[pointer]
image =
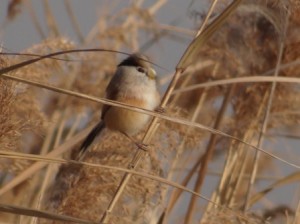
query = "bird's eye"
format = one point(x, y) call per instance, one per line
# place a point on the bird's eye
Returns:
point(142, 70)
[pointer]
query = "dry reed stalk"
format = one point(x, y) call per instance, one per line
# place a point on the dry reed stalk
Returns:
point(203, 85)
point(267, 113)
point(35, 20)
point(85, 191)
point(180, 151)
point(74, 21)
point(209, 153)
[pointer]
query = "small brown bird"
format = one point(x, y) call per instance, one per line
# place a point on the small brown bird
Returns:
point(133, 83)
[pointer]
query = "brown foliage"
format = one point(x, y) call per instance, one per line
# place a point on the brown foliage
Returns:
point(33, 120)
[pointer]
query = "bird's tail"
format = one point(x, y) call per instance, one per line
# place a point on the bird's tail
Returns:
point(89, 139)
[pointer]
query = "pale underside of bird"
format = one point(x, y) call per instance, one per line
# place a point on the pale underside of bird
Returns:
point(134, 83)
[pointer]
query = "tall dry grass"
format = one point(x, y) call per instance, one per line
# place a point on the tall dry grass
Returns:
point(223, 152)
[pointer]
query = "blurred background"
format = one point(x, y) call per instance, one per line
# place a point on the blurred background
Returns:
point(259, 39)
point(19, 31)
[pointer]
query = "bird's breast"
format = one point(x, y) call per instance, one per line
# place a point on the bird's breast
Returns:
point(124, 120)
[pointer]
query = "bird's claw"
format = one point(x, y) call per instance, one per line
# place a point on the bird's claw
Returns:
point(142, 146)
point(160, 110)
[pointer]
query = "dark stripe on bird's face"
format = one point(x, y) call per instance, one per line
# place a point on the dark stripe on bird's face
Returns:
point(136, 60)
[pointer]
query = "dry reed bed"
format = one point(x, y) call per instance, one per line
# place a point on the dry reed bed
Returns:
point(260, 38)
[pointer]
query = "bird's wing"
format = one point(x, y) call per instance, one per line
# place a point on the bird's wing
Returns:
point(111, 94)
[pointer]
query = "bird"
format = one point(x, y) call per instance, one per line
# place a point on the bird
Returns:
point(134, 83)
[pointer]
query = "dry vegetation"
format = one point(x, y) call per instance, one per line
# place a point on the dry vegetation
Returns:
point(40, 130)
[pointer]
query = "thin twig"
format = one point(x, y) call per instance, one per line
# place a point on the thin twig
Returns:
point(35, 20)
point(245, 79)
point(297, 212)
point(267, 113)
point(148, 112)
point(52, 159)
point(211, 9)
point(27, 173)
point(74, 21)
point(208, 154)
point(236, 180)
point(176, 192)
point(52, 25)
point(156, 6)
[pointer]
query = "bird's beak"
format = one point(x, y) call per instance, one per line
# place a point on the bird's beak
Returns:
point(151, 73)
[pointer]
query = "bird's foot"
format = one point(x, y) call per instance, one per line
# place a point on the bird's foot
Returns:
point(142, 146)
point(160, 110)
